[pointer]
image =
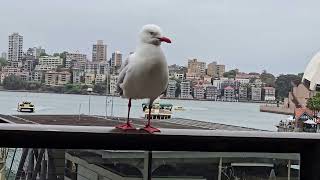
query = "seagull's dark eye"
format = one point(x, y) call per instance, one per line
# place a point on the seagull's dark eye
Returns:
point(151, 33)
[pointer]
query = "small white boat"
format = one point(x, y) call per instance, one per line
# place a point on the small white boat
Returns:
point(179, 108)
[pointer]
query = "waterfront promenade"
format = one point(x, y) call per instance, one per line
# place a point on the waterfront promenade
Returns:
point(275, 109)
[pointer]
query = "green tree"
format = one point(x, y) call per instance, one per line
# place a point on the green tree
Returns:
point(314, 104)
point(32, 85)
point(268, 79)
point(99, 88)
point(59, 68)
point(84, 89)
point(283, 84)
point(252, 80)
point(3, 62)
point(178, 88)
point(43, 54)
point(56, 89)
point(72, 89)
point(43, 78)
point(230, 74)
point(13, 82)
point(63, 56)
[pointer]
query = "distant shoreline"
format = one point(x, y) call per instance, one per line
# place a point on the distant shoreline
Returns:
point(96, 94)
point(183, 99)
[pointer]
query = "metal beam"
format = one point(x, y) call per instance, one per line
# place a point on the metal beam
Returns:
point(220, 169)
point(36, 169)
point(51, 166)
point(289, 169)
point(91, 137)
point(30, 164)
point(149, 159)
point(88, 137)
point(21, 162)
point(43, 172)
point(13, 156)
point(108, 154)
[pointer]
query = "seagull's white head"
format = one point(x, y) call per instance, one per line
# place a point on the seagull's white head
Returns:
point(151, 34)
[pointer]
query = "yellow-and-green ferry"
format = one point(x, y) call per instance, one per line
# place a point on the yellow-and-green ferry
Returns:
point(26, 106)
point(158, 111)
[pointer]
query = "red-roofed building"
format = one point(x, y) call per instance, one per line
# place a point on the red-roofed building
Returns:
point(302, 115)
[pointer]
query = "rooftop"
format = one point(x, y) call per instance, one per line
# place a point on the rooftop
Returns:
point(228, 88)
point(298, 112)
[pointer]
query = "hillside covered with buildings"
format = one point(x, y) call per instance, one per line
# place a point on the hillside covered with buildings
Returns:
point(73, 72)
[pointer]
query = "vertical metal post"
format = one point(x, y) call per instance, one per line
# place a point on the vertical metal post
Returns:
point(22, 161)
point(89, 103)
point(14, 154)
point(107, 92)
point(79, 112)
point(149, 165)
point(310, 162)
point(30, 164)
point(220, 169)
point(43, 172)
point(112, 106)
point(38, 164)
point(289, 169)
point(52, 175)
point(147, 168)
point(7, 152)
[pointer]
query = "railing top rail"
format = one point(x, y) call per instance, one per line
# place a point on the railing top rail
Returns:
point(33, 128)
point(93, 137)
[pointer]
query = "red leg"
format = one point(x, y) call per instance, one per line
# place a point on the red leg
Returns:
point(148, 126)
point(127, 125)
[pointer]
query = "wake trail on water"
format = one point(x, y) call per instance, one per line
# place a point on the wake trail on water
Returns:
point(197, 109)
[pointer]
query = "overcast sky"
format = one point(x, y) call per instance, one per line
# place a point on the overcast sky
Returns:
point(280, 36)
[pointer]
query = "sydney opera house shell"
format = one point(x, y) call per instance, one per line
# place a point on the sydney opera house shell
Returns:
point(311, 77)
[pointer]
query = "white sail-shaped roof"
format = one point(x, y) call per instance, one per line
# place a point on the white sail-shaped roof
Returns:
point(312, 72)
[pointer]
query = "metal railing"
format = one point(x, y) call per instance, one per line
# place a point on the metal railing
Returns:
point(91, 137)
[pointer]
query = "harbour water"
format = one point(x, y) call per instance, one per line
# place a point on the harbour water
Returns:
point(232, 113)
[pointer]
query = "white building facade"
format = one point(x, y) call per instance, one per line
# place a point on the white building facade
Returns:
point(15, 49)
point(185, 90)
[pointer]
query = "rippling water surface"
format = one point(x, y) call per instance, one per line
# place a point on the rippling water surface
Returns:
point(233, 113)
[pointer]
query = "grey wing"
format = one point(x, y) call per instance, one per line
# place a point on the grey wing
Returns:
point(124, 65)
point(165, 91)
point(122, 75)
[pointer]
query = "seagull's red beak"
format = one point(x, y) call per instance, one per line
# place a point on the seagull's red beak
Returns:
point(165, 39)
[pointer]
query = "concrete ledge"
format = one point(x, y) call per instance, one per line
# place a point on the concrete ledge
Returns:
point(277, 110)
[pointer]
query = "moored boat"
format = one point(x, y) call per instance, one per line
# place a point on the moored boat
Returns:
point(158, 111)
point(26, 107)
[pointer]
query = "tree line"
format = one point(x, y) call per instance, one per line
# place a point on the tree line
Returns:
point(13, 82)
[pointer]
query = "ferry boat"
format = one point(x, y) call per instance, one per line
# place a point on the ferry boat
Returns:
point(26, 107)
point(158, 111)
